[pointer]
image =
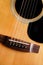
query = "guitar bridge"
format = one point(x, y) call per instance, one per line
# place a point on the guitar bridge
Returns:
point(19, 45)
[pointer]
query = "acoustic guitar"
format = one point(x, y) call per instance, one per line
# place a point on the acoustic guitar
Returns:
point(21, 32)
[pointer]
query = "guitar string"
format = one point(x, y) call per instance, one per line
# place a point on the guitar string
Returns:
point(32, 8)
point(20, 30)
point(23, 8)
point(25, 4)
point(17, 23)
point(29, 8)
point(22, 14)
point(13, 24)
point(30, 26)
point(21, 26)
point(33, 5)
point(26, 8)
point(30, 47)
point(35, 8)
point(16, 30)
point(33, 15)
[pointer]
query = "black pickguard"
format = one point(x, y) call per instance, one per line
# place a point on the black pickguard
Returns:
point(35, 30)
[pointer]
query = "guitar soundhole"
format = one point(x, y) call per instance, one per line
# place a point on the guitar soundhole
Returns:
point(28, 8)
point(35, 30)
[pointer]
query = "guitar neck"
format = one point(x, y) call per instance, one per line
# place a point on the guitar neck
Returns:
point(19, 45)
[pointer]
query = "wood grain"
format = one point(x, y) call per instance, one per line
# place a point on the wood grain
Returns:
point(10, 26)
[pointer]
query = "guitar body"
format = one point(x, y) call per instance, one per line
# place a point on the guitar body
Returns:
point(11, 26)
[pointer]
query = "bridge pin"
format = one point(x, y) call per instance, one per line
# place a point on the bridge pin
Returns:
point(19, 45)
point(23, 46)
point(16, 44)
point(10, 43)
point(13, 43)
